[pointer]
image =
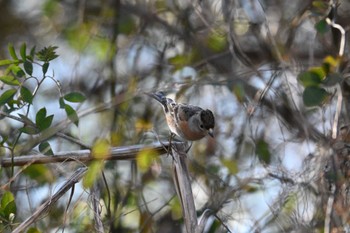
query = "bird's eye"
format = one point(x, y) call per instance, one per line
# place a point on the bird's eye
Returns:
point(201, 126)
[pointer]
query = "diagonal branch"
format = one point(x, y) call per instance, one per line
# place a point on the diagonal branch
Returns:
point(75, 178)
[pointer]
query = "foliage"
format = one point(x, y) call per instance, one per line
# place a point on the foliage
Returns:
point(317, 78)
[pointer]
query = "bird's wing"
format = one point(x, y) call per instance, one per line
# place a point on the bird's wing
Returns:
point(183, 111)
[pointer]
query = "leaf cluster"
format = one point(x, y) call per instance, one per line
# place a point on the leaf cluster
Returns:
point(317, 79)
point(17, 99)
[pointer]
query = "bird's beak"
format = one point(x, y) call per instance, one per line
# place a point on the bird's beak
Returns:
point(211, 133)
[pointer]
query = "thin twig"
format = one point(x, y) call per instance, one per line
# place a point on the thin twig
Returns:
point(327, 221)
point(74, 140)
point(342, 32)
point(5, 186)
point(68, 204)
point(337, 112)
point(108, 194)
point(95, 199)
point(223, 223)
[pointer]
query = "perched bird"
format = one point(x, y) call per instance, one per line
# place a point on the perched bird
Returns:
point(186, 121)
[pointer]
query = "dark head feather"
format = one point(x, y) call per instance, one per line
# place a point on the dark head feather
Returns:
point(207, 118)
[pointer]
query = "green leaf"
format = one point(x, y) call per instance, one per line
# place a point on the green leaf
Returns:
point(290, 204)
point(10, 80)
point(101, 48)
point(79, 37)
point(127, 24)
point(45, 67)
point(40, 173)
point(8, 205)
point(7, 62)
point(45, 148)
point(9, 210)
point(46, 123)
point(33, 230)
point(42, 121)
point(314, 96)
point(31, 130)
point(217, 42)
point(322, 26)
point(26, 95)
point(32, 54)
point(179, 61)
point(28, 67)
point(40, 115)
point(101, 149)
point(23, 51)
point(231, 165)
point(7, 197)
point(72, 114)
point(176, 210)
point(49, 8)
point(239, 92)
point(7, 96)
point(262, 150)
point(330, 64)
point(61, 102)
point(47, 54)
point(145, 158)
point(12, 51)
point(318, 71)
point(16, 70)
point(250, 188)
point(319, 7)
point(93, 173)
point(309, 79)
point(74, 97)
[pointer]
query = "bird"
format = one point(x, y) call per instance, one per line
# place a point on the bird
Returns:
point(189, 122)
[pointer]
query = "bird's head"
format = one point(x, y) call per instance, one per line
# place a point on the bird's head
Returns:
point(207, 121)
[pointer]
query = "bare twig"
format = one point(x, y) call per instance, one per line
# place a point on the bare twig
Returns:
point(223, 223)
point(75, 178)
point(74, 140)
point(5, 186)
point(342, 32)
point(95, 199)
point(337, 112)
point(327, 221)
point(203, 220)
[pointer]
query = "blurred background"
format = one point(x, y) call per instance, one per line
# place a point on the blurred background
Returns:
point(255, 64)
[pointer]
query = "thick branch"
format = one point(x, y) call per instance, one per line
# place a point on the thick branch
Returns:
point(118, 153)
point(183, 187)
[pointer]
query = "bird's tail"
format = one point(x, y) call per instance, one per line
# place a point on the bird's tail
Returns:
point(160, 97)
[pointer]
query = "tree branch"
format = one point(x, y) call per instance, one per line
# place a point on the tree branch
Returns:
point(183, 187)
point(117, 153)
point(75, 178)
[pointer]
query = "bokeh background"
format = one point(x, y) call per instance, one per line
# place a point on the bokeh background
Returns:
point(247, 61)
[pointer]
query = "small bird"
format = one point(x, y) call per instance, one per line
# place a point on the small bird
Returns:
point(186, 121)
